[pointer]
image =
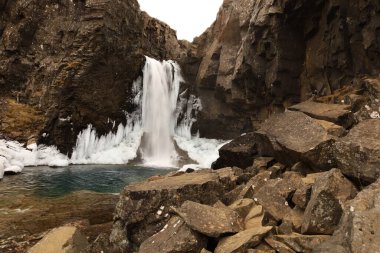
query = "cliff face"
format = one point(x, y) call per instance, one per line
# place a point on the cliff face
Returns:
point(259, 57)
point(72, 63)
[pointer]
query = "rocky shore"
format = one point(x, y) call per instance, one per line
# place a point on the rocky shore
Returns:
point(306, 181)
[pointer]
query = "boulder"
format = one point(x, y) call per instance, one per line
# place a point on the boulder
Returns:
point(278, 246)
point(66, 239)
point(325, 207)
point(357, 154)
point(276, 194)
point(254, 184)
point(243, 240)
point(143, 208)
point(242, 206)
point(359, 229)
point(338, 114)
point(208, 220)
point(301, 243)
point(293, 137)
point(240, 152)
point(176, 236)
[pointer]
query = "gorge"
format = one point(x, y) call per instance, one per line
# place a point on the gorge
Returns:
point(277, 103)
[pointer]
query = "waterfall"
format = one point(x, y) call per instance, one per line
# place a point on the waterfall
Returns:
point(161, 83)
point(152, 129)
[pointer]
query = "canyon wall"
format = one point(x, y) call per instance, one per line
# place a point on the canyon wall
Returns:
point(261, 56)
point(65, 64)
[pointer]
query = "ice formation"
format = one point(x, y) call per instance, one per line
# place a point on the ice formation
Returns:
point(150, 131)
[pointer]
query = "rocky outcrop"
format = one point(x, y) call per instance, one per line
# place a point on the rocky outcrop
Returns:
point(144, 208)
point(260, 57)
point(72, 63)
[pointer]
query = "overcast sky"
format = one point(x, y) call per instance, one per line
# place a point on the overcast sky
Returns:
point(189, 17)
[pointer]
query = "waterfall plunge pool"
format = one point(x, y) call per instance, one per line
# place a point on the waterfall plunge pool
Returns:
point(44, 181)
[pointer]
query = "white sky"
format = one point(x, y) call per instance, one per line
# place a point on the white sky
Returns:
point(190, 18)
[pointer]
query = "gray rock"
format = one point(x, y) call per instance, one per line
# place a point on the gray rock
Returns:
point(208, 220)
point(176, 236)
point(325, 207)
point(357, 154)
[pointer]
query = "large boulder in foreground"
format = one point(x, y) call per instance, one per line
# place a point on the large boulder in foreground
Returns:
point(239, 152)
point(358, 154)
point(208, 220)
point(335, 113)
point(359, 229)
point(323, 213)
point(292, 137)
point(144, 208)
point(67, 239)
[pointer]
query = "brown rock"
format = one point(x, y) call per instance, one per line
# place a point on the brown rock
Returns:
point(255, 184)
point(325, 209)
point(275, 195)
point(301, 243)
point(143, 208)
point(359, 228)
point(292, 137)
point(336, 113)
point(278, 246)
point(242, 206)
point(357, 154)
point(176, 236)
point(240, 152)
point(61, 240)
point(208, 220)
point(243, 240)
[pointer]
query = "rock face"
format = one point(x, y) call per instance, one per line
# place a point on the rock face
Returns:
point(259, 57)
point(72, 63)
point(61, 240)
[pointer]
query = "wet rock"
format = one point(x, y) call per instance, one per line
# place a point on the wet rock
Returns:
point(143, 208)
point(359, 228)
point(61, 240)
point(292, 137)
point(208, 220)
point(301, 243)
point(357, 154)
point(240, 152)
point(336, 113)
point(176, 236)
point(243, 240)
point(325, 207)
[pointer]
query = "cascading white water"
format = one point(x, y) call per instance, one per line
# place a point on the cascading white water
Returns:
point(161, 84)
